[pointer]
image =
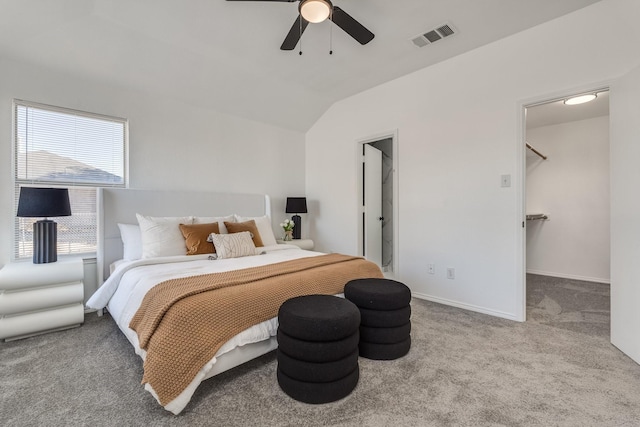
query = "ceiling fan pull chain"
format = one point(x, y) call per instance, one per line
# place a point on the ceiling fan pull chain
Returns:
point(300, 28)
point(331, 34)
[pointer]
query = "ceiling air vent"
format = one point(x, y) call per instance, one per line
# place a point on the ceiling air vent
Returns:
point(420, 41)
point(434, 35)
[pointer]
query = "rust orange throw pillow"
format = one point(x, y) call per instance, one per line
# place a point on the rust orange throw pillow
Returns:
point(195, 237)
point(250, 226)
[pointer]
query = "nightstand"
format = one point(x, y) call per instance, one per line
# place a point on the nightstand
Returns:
point(301, 243)
point(37, 298)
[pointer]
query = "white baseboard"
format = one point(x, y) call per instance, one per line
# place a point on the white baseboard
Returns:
point(478, 309)
point(570, 276)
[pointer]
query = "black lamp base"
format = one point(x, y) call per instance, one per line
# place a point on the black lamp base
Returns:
point(45, 241)
point(296, 226)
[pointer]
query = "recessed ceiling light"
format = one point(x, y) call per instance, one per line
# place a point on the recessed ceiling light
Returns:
point(581, 99)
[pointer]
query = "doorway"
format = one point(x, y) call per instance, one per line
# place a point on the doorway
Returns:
point(567, 237)
point(377, 213)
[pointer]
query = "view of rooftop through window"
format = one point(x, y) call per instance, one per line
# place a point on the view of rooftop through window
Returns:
point(65, 147)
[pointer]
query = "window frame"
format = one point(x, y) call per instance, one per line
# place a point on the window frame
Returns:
point(17, 182)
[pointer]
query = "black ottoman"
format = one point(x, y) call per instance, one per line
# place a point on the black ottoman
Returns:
point(385, 326)
point(317, 354)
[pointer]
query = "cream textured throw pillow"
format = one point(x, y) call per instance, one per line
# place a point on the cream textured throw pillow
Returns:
point(233, 245)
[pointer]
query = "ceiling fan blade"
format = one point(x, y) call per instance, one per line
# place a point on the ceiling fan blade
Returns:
point(295, 32)
point(350, 26)
point(283, 1)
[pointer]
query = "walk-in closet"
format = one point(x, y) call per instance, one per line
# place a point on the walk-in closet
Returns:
point(567, 207)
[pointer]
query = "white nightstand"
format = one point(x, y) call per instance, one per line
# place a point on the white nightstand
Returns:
point(37, 298)
point(301, 243)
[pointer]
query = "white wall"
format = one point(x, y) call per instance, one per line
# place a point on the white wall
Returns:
point(625, 214)
point(171, 145)
point(458, 130)
point(572, 188)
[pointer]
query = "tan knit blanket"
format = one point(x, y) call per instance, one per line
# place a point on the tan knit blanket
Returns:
point(183, 322)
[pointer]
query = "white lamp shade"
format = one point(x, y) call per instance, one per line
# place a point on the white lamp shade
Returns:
point(315, 11)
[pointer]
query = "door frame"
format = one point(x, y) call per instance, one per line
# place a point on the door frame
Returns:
point(521, 184)
point(393, 134)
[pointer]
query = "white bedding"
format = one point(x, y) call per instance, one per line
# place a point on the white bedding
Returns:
point(123, 292)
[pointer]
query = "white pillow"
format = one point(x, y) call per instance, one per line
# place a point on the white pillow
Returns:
point(219, 219)
point(131, 241)
point(161, 236)
point(233, 245)
point(264, 228)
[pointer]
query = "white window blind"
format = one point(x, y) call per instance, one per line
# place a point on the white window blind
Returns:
point(58, 147)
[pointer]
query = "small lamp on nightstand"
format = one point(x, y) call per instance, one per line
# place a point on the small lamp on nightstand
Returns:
point(44, 203)
point(296, 205)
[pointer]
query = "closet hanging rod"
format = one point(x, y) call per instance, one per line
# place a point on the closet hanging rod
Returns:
point(536, 151)
point(534, 217)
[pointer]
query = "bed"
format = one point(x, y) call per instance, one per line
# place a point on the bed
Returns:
point(128, 279)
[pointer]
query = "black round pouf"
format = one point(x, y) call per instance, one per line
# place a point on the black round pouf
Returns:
point(384, 351)
point(385, 335)
point(317, 372)
point(377, 294)
point(385, 318)
point(318, 318)
point(317, 351)
point(310, 392)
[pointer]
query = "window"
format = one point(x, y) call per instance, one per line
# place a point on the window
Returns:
point(58, 147)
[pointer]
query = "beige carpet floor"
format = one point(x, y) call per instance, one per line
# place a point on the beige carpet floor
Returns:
point(464, 369)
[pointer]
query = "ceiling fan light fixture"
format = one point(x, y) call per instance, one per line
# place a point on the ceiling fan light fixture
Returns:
point(581, 99)
point(315, 11)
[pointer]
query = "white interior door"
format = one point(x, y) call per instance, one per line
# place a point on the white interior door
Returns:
point(373, 204)
point(625, 212)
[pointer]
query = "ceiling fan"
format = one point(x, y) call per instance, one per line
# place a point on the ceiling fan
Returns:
point(316, 11)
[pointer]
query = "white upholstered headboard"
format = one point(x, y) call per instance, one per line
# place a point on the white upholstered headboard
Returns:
point(118, 205)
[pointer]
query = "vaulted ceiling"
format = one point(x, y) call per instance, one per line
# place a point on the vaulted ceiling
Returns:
point(225, 55)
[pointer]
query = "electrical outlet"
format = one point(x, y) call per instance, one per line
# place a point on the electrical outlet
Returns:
point(451, 273)
point(431, 269)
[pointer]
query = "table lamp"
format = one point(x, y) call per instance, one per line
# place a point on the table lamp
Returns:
point(44, 203)
point(296, 205)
